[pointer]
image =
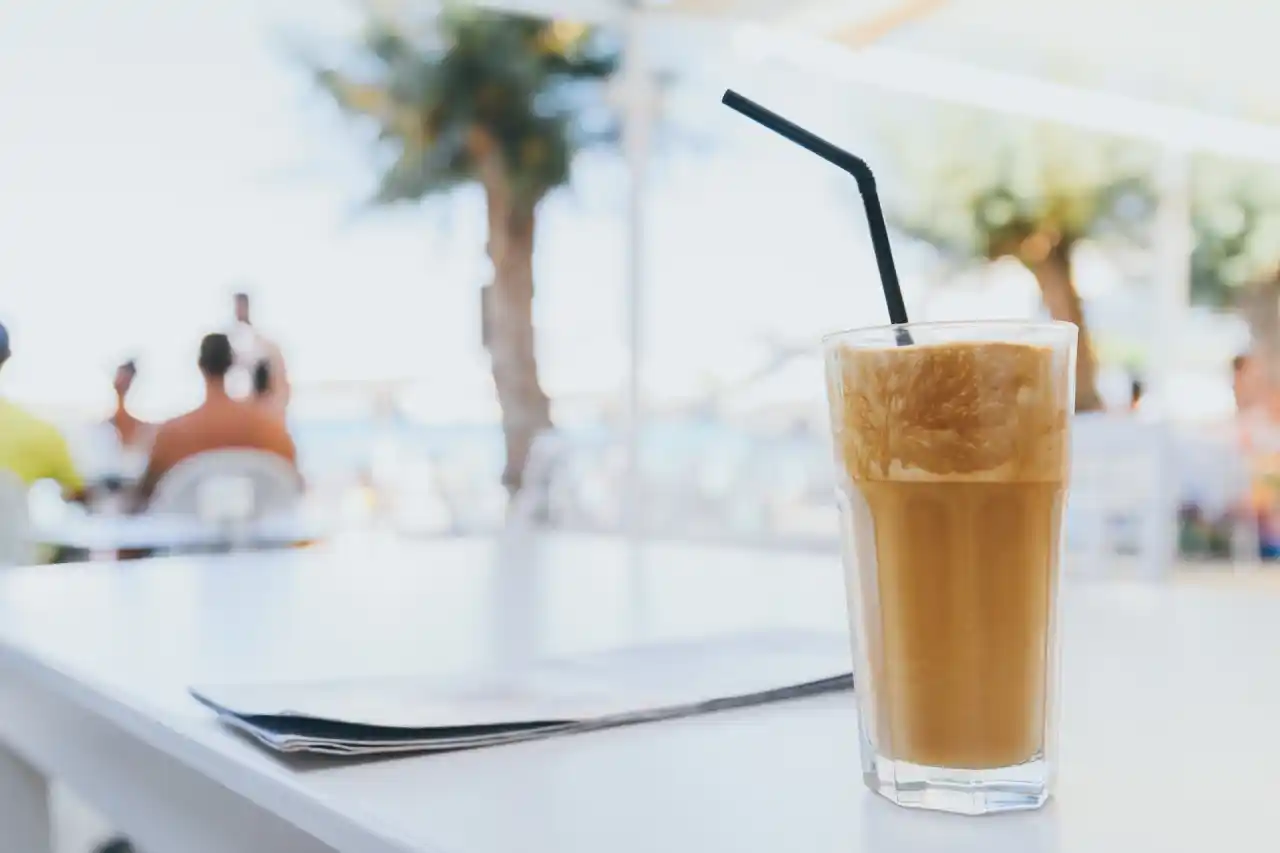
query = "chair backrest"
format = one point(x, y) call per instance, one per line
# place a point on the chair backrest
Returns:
point(229, 486)
point(1123, 501)
point(15, 525)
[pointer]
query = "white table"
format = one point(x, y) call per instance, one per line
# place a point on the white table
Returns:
point(167, 533)
point(1171, 734)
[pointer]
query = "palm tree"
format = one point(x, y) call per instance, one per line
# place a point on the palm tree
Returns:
point(1236, 261)
point(496, 100)
point(980, 189)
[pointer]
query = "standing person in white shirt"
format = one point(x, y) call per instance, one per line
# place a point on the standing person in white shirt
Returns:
point(253, 348)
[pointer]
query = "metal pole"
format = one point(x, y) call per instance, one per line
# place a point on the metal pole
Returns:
point(1174, 242)
point(1173, 271)
point(637, 121)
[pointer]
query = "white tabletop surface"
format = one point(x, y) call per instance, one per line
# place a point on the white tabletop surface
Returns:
point(1171, 717)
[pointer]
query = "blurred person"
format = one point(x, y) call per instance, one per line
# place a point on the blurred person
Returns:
point(1256, 414)
point(262, 382)
point(1248, 382)
point(220, 423)
point(1257, 440)
point(253, 348)
point(1136, 390)
point(31, 448)
point(261, 393)
point(132, 431)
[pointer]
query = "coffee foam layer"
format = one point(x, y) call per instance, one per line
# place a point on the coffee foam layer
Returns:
point(966, 411)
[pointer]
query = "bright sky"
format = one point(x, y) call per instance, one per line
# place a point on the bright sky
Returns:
point(158, 154)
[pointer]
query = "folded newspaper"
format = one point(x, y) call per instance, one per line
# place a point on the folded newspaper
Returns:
point(615, 688)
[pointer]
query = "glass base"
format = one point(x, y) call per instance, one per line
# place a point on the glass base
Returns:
point(970, 792)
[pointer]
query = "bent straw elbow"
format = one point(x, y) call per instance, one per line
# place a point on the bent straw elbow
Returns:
point(861, 172)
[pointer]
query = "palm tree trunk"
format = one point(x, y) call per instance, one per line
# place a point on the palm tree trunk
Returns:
point(1259, 305)
point(1058, 290)
point(526, 410)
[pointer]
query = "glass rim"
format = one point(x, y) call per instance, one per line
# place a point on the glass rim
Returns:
point(1005, 323)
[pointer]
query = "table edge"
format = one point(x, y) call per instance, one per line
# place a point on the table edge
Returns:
point(273, 792)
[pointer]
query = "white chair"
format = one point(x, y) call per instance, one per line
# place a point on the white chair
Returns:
point(532, 502)
point(1124, 497)
point(564, 486)
point(723, 489)
point(15, 524)
point(229, 486)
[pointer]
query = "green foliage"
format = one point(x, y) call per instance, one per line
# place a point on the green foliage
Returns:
point(470, 82)
point(977, 186)
point(1236, 217)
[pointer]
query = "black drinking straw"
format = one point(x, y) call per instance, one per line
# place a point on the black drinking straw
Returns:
point(861, 172)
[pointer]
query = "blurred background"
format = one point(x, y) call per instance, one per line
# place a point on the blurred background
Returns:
point(512, 262)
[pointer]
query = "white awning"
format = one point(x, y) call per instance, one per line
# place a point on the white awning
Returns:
point(1191, 75)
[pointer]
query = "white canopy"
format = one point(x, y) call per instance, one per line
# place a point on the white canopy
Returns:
point(1218, 57)
point(1186, 75)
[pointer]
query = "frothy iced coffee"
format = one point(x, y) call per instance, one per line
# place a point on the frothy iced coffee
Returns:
point(954, 460)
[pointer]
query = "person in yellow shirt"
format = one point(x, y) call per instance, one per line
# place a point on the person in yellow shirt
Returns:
point(31, 448)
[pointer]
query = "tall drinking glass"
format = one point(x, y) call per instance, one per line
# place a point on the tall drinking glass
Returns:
point(952, 456)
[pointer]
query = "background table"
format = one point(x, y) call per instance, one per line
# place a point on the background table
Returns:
point(150, 532)
point(1170, 738)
